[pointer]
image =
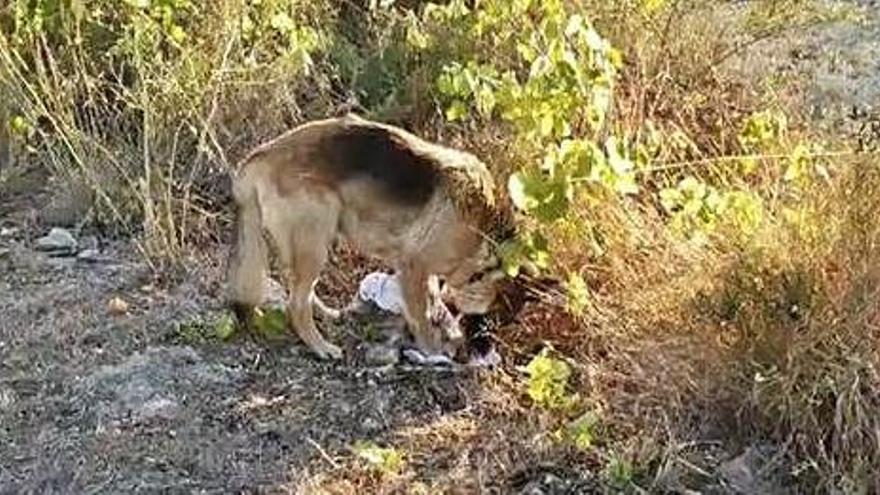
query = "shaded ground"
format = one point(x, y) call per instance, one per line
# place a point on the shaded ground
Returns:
point(97, 400)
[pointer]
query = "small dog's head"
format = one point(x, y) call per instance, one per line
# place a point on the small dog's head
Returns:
point(509, 297)
point(473, 286)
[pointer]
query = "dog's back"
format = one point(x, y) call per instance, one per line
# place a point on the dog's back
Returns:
point(402, 167)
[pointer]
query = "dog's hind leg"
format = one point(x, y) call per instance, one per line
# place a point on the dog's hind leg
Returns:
point(307, 262)
point(303, 229)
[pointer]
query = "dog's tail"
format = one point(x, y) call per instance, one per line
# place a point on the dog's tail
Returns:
point(248, 257)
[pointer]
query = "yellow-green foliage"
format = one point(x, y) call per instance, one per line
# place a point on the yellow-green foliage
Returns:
point(548, 382)
point(676, 202)
point(386, 460)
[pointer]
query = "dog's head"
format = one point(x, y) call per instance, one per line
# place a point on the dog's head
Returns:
point(473, 287)
point(512, 294)
point(491, 290)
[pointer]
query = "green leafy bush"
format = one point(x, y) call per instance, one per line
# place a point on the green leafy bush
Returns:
point(548, 382)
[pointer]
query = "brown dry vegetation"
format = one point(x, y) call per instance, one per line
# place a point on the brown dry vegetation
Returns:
point(688, 348)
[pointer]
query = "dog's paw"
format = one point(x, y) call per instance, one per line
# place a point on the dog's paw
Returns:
point(329, 352)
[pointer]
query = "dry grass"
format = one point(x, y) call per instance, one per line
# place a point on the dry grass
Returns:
point(737, 340)
point(494, 445)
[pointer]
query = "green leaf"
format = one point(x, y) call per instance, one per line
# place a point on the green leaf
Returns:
point(224, 327)
point(554, 199)
point(578, 293)
point(546, 124)
point(456, 111)
point(177, 34)
point(651, 6)
point(799, 164)
point(417, 38)
point(540, 67)
point(691, 187)
point(743, 209)
point(485, 100)
point(548, 381)
point(513, 255)
point(575, 25)
point(671, 199)
point(538, 250)
point(594, 40)
point(582, 430)
point(615, 57)
point(383, 459)
point(617, 159)
point(516, 186)
point(748, 165)
point(282, 22)
point(444, 84)
point(527, 52)
point(18, 125)
point(270, 321)
point(626, 184)
point(692, 206)
point(619, 472)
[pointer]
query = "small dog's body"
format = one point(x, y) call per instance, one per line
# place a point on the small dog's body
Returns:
point(424, 208)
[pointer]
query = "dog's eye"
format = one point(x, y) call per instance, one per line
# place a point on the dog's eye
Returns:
point(475, 277)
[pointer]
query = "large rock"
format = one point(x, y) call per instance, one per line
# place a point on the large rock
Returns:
point(58, 241)
point(149, 386)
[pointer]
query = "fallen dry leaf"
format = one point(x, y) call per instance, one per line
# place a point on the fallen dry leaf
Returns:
point(117, 306)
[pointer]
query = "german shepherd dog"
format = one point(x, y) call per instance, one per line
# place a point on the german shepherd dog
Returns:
point(426, 209)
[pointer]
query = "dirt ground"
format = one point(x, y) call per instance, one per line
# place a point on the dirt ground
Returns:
point(98, 400)
point(94, 399)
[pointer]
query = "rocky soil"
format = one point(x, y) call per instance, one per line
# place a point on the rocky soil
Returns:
point(111, 382)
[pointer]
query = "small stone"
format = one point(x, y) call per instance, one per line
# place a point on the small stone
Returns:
point(439, 360)
point(8, 231)
point(548, 483)
point(117, 306)
point(414, 356)
point(90, 242)
point(89, 255)
point(158, 408)
point(419, 358)
point(7, 398)
point(371, 425)
point(739, 473)
point(490, 359)
point(58, 240)
point(274, 293)
point(382, 355)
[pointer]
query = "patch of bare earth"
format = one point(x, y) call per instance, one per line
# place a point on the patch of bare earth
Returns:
point(107, 398)
point(105, 387)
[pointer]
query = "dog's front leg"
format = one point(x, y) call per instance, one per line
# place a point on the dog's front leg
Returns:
point(414, 285)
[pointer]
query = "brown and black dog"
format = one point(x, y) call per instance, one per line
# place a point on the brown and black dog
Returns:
point(426, 209)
